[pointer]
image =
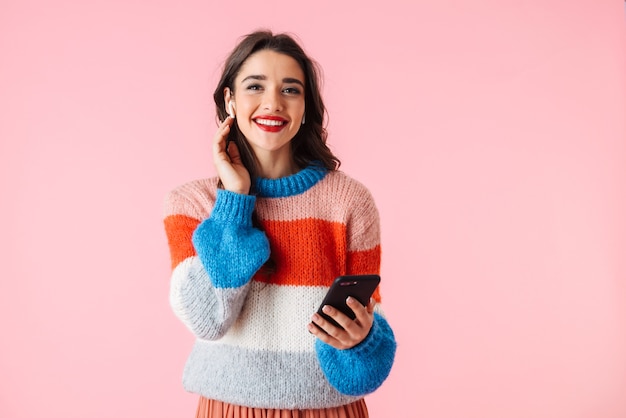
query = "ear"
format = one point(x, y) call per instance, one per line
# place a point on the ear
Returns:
point(227, 95)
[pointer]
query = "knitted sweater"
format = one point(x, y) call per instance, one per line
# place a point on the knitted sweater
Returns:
point(253, 347)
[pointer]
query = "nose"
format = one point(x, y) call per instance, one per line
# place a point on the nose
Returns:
point(272, 100)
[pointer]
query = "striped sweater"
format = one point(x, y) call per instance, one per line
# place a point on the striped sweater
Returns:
point(253, 347)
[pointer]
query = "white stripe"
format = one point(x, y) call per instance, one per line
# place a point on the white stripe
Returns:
point(275, 318)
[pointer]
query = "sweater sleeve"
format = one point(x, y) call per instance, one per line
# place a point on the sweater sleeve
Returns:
point(213, 260)
point(230, 248)
point(363, 368)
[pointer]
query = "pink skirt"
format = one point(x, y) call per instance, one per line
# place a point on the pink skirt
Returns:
point(208, 408)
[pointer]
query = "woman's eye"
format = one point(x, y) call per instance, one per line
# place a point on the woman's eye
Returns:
point(292, 90)
point(254, 87)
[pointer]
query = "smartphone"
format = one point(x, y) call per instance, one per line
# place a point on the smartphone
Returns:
point(361, 287)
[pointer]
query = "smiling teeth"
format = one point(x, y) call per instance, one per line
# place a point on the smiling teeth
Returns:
point(269, 122)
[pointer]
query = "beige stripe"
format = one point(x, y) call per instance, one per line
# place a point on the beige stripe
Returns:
point(329, 200)
point(336, 190)
point(194, 199)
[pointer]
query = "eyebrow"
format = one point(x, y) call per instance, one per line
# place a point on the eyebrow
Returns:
point(285, 80)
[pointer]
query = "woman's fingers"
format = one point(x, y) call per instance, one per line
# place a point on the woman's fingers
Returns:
point(233, 153)
point(227, 160)
point(363, 313)
point(351, 331)
point(219, 141)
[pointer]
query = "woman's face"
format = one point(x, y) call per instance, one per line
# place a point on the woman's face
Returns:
point(269, 101)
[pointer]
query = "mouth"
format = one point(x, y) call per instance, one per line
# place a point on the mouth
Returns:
point(270, 123)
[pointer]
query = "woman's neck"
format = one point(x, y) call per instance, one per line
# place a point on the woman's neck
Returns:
point(274, 165)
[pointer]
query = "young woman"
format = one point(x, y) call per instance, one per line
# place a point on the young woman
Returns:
point(255, 249)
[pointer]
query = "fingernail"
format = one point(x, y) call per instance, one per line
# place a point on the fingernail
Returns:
point(326, 308)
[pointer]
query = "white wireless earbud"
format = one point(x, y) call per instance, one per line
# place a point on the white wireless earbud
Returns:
point(231, 109)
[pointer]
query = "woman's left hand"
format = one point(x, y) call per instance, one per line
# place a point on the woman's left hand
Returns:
point(354, 330)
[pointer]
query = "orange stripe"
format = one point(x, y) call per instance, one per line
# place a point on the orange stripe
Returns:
point(312, 252)
point(365, 262)
point(179, 229)
point(307, 252)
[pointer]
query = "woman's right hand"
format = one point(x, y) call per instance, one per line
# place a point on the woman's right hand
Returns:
point(230, 169)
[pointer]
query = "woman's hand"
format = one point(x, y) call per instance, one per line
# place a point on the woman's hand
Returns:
point(230, 169)
point(354, 330)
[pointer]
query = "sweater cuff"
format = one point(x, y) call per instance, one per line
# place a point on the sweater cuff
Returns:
point(233, 208)
point(361, 369)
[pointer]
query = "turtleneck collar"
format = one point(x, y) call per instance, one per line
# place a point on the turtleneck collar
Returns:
point(291, 185)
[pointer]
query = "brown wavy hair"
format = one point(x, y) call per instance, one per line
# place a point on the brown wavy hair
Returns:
point(309, 144)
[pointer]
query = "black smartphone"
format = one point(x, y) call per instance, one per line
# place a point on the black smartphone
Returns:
point(361, 287)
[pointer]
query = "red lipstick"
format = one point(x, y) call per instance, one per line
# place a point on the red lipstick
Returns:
point(270, 123)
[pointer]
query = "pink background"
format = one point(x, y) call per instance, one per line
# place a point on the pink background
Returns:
point(491, 133)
